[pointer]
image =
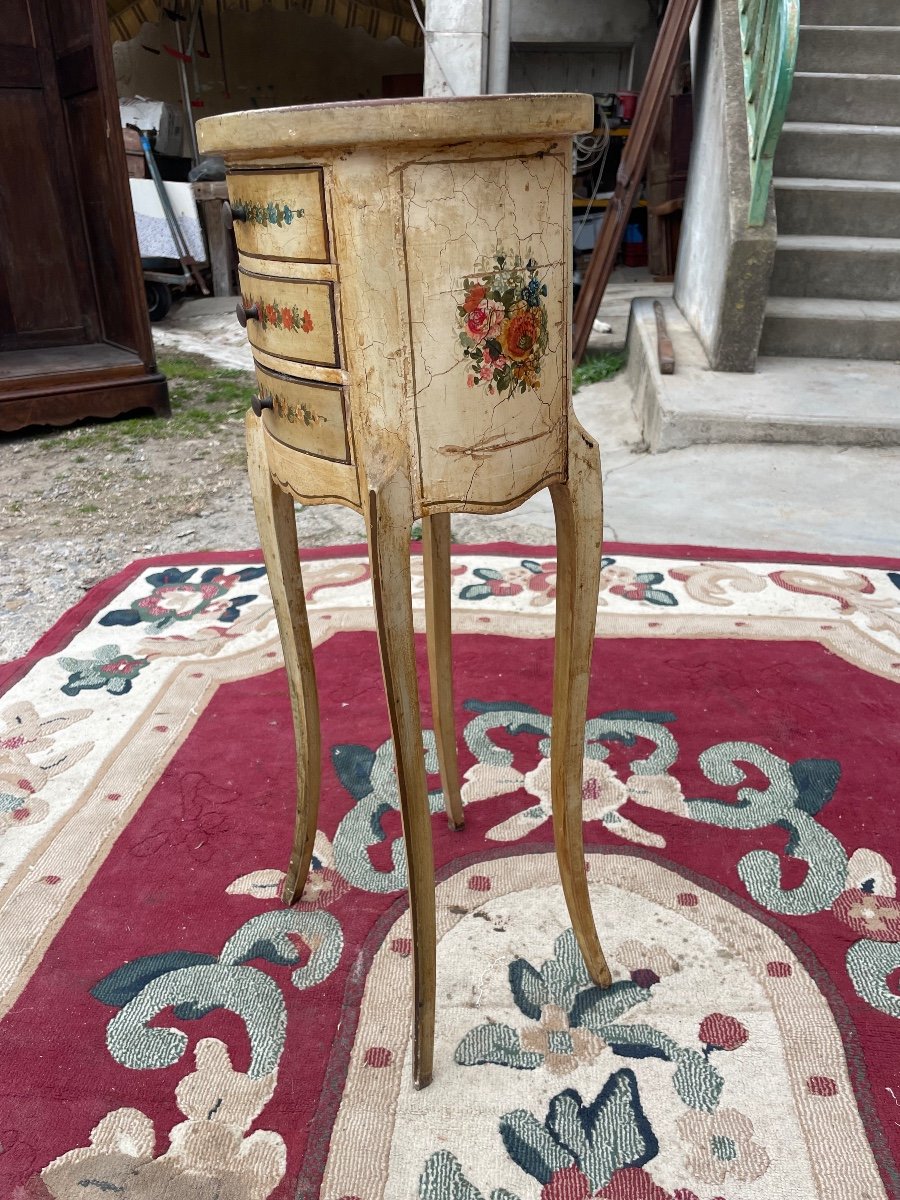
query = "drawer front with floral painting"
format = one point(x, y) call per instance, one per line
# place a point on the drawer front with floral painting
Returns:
point(291, 319)
point(280, 214)
point(306, 416)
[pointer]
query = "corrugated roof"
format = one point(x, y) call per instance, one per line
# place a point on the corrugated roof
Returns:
point(381, 19)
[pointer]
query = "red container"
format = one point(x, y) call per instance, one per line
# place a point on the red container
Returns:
point(627, 105)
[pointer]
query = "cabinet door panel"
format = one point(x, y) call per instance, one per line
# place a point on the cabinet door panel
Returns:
point(46, 290)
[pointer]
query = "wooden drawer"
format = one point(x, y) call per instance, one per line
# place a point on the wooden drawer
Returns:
point(291, 318)
point(280, 214)
point(306, 416)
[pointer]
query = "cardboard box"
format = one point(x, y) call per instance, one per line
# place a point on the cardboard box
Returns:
point(134, 155)
point(166, 120)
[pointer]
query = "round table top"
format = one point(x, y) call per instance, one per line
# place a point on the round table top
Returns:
point(296, 130)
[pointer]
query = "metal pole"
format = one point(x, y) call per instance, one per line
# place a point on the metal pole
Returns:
point(188, 263)
point(186, 93)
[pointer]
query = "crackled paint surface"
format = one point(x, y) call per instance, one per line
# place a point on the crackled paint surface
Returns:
point(474, 230)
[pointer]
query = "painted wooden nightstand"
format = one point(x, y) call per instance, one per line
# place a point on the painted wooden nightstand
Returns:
point(405, 273)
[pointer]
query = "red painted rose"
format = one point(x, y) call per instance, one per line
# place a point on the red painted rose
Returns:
point(521, 333)
point(287, 318)
point(476, 321)
point(474, 297)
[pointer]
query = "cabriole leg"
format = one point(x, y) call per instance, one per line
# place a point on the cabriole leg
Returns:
point(578, 508)
point(389, 531)
point(436, 562)
point(278, 536)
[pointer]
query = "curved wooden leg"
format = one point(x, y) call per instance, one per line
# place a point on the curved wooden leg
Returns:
point(389, 530)
point(578, 508)
point(278, 536)
point(436, 562)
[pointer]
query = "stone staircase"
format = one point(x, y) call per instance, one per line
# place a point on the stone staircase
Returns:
point(835, 287)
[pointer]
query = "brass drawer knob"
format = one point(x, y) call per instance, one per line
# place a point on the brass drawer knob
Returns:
point(246, 313)
point(232, 213)
point(258, 403)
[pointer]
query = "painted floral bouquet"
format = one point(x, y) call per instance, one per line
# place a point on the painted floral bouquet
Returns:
point(503, 325)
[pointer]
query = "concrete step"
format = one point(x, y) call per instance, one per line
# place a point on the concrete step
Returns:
point(862, 49)
point(836, 268)
point(799, 400)
point(831, 328)
point(838, 207)
point(821, 151)
point(845, 99)
point(864, 12)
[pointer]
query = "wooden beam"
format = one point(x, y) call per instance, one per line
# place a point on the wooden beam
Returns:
point(666, 56)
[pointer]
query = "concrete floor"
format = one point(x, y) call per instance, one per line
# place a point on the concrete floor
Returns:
point(821, 499)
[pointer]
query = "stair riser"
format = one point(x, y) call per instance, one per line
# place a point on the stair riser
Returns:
point(836, 274)
point(864, 101)
point(811, 337)
point(862, 51)
point(838, 155)
point(837, 214)
point(839, 12)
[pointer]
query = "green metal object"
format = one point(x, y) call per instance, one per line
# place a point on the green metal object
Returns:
point(769, 35)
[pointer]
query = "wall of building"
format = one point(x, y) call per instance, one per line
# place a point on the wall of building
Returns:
point(565, 45)
point(724, 265)
point(456, 53)
point(584, 23)
point(273, 58)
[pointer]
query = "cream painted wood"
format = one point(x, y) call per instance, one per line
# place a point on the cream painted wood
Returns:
point(506, 444)
point(436, 561)
point(578, 509)
point(309, 479)
point(435, 329)
point(278, 534)
point(292, 320)
point(280, 215)
point(305, 414)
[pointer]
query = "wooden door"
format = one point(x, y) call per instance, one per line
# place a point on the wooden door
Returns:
point(46, 286)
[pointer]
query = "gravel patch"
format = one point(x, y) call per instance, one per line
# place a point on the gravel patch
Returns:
point(78, 505)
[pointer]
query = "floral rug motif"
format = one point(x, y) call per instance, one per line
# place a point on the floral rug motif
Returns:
point(168, 1031)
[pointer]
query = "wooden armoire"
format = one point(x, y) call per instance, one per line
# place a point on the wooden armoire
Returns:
point(74, 330)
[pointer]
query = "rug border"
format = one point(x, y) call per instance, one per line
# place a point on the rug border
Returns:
point(80, 615)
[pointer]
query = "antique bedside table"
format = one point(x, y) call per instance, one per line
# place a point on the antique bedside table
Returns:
point(405, 274)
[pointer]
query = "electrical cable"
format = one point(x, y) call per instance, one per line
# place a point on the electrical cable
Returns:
point(591, 150)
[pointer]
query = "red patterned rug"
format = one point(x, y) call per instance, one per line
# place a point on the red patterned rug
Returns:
point(170, 1032)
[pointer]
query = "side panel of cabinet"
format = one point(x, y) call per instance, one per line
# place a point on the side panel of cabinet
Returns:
point(485, 246)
